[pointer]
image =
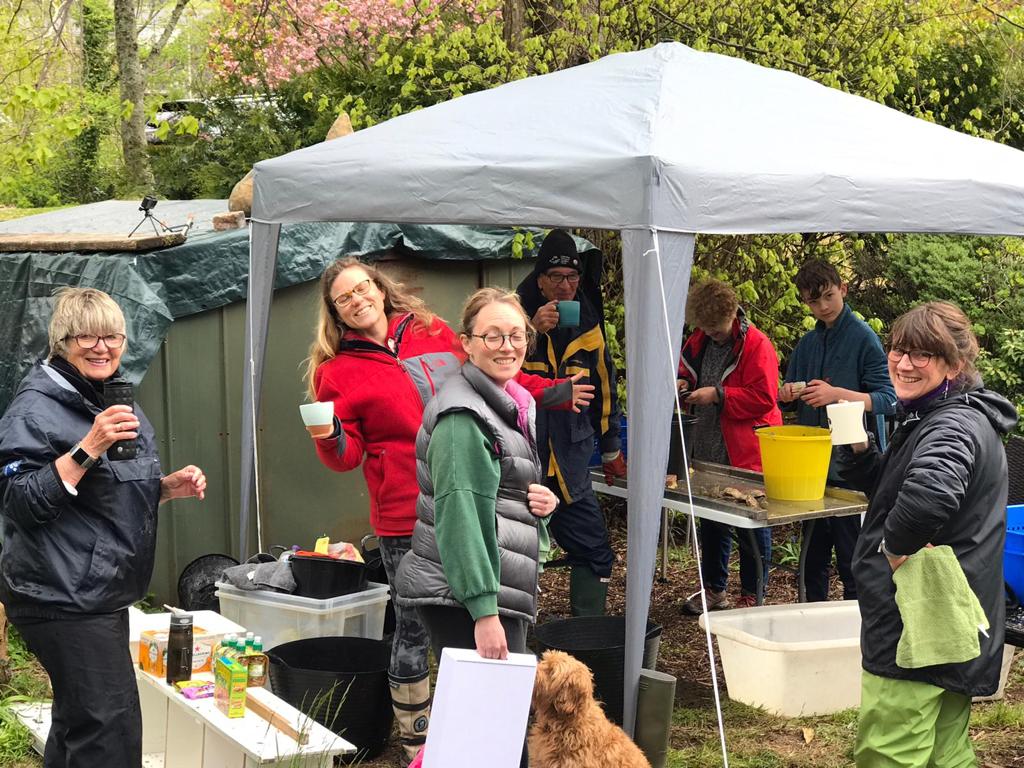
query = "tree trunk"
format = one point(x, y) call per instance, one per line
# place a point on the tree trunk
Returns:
point(138, 175)
point(513, 19)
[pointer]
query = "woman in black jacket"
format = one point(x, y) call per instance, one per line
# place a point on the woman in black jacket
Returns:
point(942, 481)
point(79, 531)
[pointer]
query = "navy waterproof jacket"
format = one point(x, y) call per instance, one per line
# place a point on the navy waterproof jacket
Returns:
point(64, 554)
point(941, 481)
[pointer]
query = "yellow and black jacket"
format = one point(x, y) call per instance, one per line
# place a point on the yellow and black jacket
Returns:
point(565, 439)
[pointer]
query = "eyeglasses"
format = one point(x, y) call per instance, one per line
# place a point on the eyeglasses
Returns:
point(919, 358)
point(359, 289)
point(495, 341)
point(557, 278)
point(88, 340)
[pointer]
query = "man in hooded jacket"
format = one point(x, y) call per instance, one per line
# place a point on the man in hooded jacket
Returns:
point(565, 440)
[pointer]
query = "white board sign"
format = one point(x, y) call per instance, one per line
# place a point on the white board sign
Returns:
point(480, 710)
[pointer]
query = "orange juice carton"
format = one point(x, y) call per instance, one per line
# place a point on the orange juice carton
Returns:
point(229, 682)
point(153, 650)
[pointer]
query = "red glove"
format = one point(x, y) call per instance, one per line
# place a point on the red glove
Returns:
point(614, 468)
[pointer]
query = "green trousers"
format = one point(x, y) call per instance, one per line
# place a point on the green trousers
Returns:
point(906, 724)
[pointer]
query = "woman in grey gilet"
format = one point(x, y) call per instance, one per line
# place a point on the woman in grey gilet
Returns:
point(472, 571)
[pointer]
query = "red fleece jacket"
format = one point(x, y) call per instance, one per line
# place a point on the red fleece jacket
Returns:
point(379, 394)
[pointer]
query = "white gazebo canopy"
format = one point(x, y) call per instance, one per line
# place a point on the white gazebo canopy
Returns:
point(661, 144)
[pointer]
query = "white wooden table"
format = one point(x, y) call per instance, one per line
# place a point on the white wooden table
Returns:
point(183, 733)
point(196, 734)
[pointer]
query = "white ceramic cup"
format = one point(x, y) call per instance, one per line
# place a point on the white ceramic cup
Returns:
point(846, 420)
point(317, 414)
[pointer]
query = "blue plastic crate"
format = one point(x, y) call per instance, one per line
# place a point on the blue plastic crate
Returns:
point(1013, 554)
point(1015, 518)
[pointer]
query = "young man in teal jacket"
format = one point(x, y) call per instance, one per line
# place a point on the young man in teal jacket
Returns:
point(840, 359)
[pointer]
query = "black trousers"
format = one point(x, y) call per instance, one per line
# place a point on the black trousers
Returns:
point(96, 719)
point(580, 530)
point(451, 627)
point(828, 533)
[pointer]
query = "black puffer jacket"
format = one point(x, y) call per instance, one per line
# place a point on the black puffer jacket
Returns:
point(64, 554)
point(942, 481)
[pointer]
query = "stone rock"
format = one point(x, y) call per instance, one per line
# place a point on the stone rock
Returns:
point(341, 127)
point(241, 195)
point(226, 221)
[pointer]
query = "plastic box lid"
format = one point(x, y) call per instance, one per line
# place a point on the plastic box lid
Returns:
point(372, 594)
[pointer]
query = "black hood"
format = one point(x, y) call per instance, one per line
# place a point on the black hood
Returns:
point(1000, 412)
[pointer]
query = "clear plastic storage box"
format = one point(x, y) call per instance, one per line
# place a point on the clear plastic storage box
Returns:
point(281, 618)
point(793, 660)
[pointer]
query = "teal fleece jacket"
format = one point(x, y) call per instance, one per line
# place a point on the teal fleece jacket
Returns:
point(847, 355)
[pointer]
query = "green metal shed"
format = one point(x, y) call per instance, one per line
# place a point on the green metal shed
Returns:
point(185, 307)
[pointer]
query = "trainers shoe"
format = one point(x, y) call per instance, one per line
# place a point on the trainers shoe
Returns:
point(746, 601)
point(717, 601)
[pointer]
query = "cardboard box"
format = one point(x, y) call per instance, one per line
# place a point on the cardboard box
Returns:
point(230, 680)
point(153, 650)
point(213, 622)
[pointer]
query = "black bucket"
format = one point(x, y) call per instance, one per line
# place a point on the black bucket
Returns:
point(675, 449)
point(600, 643)
point(197, 584)
point(342, 683)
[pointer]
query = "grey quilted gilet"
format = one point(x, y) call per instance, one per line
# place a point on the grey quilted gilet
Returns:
point(421, 579)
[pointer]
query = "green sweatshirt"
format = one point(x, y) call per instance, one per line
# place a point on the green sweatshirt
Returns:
point(465, 472)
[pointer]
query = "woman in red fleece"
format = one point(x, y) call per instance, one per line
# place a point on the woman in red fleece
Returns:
point(379, 356)
point(729, 372)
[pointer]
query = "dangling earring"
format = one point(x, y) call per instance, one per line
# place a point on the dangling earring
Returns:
point(945, 391)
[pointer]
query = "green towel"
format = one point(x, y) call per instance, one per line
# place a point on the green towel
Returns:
point(941, 614)
point(544, 540)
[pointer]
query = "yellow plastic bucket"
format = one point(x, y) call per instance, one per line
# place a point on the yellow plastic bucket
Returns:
point(795, 462)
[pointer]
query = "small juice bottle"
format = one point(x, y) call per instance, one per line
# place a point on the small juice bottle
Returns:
point(258, 663)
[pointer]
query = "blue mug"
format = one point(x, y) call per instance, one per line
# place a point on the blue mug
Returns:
point(568, 314)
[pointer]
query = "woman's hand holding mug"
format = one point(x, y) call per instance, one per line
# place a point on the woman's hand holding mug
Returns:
point(318, 418)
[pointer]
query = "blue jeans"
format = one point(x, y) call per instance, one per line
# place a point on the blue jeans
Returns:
point(716, 547)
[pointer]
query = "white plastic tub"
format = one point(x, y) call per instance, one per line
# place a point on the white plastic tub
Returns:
point(281, 618)
point(792, 660)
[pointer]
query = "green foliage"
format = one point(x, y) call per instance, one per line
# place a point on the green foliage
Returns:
point(983, 276)
point(214, 146)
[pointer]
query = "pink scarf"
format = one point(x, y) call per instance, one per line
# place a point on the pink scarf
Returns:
point(522, 399)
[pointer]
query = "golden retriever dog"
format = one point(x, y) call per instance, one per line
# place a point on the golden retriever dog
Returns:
point(570, 729)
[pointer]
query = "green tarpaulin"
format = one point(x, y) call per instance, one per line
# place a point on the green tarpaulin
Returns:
point(208, 271)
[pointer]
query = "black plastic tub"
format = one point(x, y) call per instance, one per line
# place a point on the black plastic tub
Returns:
point(600, 643)
point(675, 450)
point(326, 577)
point(197, 584)
point(342, 683)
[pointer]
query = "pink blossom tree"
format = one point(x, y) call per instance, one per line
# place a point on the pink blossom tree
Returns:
point(268, 42)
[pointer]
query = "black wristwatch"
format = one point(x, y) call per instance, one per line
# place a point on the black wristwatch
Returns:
point(82, 458)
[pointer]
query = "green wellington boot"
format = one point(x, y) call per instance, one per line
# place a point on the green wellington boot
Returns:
point(588, 592)
point(654, 703)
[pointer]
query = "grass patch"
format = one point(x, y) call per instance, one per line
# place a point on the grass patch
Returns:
point(28, 683)
point(998, 715)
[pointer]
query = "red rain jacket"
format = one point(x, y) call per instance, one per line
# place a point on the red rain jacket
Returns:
point(750, 385)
